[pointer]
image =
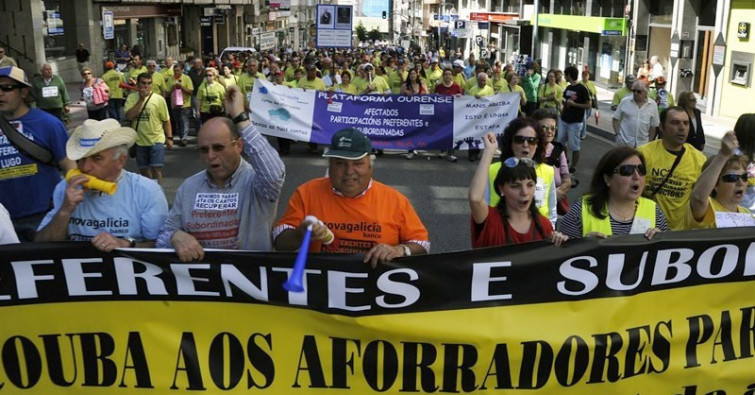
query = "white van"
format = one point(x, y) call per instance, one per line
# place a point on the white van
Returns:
point(229, 50)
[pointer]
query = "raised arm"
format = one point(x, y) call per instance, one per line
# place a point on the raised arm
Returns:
point(480, 180)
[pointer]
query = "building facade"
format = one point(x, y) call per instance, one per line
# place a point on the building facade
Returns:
point(35, 32)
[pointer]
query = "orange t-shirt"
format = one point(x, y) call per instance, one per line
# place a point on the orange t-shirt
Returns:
point(380, 215)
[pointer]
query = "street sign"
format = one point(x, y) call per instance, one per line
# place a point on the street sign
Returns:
point(267, 41)
point(205, 21)
point(719, 54)
point(219, 19)
point(483, 25)
point(108, 25)
point(484, 53)
point(479, 41)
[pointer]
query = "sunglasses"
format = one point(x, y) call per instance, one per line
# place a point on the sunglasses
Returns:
point(216, 147)
point(525, 139)
point(734, 177)
point(628, 170)
point(548, 127)
point(638, 91)
point(9, 87)
point(514, 162)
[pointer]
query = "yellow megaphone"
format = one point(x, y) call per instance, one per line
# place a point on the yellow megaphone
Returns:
point(94, 182)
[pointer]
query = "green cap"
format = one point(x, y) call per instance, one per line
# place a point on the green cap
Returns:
point(349, 144)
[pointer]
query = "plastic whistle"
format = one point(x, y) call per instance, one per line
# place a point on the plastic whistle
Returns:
point(93, 182)
point(312, 220)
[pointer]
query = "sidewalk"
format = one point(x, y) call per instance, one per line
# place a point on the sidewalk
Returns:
point(714, 128)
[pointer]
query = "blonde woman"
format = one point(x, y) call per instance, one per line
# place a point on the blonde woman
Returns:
point(96, 102)
point(210, 95)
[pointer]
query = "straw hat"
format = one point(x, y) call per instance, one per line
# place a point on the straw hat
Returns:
point(95, 136)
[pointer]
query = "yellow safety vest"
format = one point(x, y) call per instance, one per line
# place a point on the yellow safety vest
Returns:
point(545, 175)
point(591, 223)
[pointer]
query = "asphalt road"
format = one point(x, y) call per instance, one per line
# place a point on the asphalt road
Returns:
point(436, 187)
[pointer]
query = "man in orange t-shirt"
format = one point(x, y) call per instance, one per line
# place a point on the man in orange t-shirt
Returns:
point(364, 215)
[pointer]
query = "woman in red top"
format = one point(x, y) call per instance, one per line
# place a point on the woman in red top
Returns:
point(447, 85)
point(516, 218)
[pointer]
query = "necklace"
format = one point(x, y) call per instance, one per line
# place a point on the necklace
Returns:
point(623, 218)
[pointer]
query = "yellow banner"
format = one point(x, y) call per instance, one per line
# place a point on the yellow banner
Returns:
point(675, 316)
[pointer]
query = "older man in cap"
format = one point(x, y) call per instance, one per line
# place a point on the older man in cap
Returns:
point(363, 214)
point(27, 179)
point(232, 203)
point(129, 216)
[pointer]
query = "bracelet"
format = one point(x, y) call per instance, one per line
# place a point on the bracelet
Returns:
point(244, 116)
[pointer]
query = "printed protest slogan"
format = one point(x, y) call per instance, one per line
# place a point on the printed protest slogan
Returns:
point(390, 121)
point(624, 315)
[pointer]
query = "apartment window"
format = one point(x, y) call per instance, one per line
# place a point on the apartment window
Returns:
point(58, 29)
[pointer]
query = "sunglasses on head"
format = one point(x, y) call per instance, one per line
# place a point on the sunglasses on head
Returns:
point(514, 162)
point(525, 139)
point(215, 147)
point(628, 170)
point(734, 177)
point(9, 87)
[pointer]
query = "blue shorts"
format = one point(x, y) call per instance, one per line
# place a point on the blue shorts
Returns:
point(569, 135)
point(150, 156)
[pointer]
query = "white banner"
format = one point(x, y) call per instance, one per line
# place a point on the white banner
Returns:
point(391, 121)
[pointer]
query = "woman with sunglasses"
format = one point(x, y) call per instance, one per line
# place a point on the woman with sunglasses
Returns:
point(210, 96)
point(717, 195)
point(555, 155)
point(96, 106)
point(523, 138)
point(515, 217)
point(614, 205)
point(745, 132)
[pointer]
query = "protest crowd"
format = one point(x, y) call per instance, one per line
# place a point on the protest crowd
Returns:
point(56, 187)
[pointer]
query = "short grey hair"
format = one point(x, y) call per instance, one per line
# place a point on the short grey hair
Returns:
point(640, 84)
point(119, 151)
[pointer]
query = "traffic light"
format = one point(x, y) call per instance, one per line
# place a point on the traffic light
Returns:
point(385, 14)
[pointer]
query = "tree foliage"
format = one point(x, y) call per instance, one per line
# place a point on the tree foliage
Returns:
point(375, 35)
point(361, 32)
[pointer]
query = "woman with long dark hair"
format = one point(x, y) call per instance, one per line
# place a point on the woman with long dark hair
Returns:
point(523, 138)
point(515, 218)
point(614, 205)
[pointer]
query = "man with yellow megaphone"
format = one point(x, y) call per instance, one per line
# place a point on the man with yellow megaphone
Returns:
point(100, 201)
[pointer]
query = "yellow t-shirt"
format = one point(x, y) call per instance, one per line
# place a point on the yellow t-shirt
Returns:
point(113, 79)
point(351, 89)
point(547, 90)
point(673, 197)
point(158, 84)
point(476, 90)
point(709, 219)
point(150, 130)
point(186, 83)
point(246, 84)
point(134, 73)
point(208, 95)
point(315, 84)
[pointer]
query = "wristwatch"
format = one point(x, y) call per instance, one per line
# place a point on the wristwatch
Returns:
point(131, 241)
point(244, 116)
point(407, 250)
